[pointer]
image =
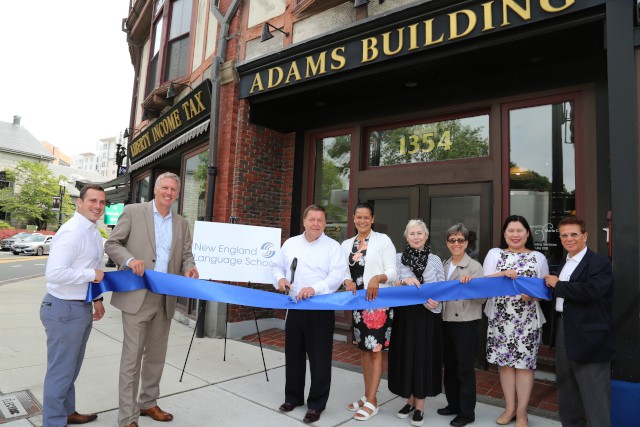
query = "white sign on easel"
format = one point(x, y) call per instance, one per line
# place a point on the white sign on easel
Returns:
point(235, 252)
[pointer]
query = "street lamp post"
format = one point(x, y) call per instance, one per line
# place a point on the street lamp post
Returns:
point(121, 154)
point(63, 185)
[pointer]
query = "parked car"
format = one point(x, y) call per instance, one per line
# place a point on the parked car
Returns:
point(6, 243)
point(36, 244)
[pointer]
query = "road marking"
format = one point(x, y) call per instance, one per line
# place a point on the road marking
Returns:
point(18, 279)
point(21, 259)
point(14, 266)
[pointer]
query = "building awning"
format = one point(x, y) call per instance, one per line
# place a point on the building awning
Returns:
point(116, 190)
point(118, 195)
point(121, 180)
point(170, 146)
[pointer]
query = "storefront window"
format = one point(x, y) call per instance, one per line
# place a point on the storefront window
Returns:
point(142, 189)
point(542, 171)
point(195, 186)
point(459, 138)
point(332, 182)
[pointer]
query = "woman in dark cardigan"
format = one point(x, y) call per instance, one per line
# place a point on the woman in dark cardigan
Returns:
point(415, 354)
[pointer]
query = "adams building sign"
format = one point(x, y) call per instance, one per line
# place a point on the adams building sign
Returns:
point(412, 36)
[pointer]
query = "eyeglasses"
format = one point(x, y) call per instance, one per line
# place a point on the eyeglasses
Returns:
point(458, 240)
point(572, 235)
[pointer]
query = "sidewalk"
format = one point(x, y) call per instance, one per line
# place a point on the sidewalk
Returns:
point(234, 392)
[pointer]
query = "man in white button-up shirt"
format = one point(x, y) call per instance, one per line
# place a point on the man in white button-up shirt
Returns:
point(74, 261)
point(306, 265)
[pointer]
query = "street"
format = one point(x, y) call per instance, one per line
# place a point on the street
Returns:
point(18, 267)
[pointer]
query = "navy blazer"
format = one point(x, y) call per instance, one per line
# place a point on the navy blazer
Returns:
point(587, 315)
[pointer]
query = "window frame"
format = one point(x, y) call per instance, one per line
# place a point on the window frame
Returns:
point(165, 14)
point(424, 120)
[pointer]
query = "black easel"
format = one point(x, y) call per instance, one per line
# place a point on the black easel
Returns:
point(255, 319)
point(232, 220)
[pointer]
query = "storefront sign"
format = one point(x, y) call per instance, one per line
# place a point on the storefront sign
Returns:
point(472, 21)
point(190, 110)
point(112, 213)
point(233, 252)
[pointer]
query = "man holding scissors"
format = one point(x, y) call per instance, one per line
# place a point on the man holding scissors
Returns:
point(306, 265)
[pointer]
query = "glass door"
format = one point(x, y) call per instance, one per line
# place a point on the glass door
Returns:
point(440, 206)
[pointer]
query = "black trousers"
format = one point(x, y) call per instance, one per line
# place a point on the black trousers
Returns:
point(308, 333)
point(584, 389)
point(459, 350)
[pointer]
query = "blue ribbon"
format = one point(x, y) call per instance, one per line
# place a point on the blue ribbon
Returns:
point(180, 286)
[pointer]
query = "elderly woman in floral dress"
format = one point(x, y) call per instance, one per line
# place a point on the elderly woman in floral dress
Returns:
point(372, 264)
point(415, 356)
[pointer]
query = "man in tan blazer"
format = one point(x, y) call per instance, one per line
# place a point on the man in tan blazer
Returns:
point(148, 235)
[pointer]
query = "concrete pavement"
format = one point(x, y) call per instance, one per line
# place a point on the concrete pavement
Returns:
point(234, 392)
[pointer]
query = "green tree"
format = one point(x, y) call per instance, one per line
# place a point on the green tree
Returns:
point(529, 180)
point(35, 188)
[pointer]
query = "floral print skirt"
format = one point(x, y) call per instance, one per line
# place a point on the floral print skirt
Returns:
point(513, 336)
point(372, 328)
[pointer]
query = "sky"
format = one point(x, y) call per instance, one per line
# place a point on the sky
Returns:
point(65, 69)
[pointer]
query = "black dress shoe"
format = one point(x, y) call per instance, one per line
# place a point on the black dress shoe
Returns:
point(447, 411)
point(288, 407)
point(312, 416)
point(460, 421)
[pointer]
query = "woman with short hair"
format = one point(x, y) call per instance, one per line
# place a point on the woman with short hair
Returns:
point(415, 355)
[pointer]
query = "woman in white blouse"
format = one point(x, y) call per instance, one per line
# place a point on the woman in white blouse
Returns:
point(372, 264)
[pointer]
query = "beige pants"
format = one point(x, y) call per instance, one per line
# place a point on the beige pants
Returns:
point(145, 334)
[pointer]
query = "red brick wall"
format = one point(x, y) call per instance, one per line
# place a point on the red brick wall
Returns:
point(255, 180)
point(255, 170)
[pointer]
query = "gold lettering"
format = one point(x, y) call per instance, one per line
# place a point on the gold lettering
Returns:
point(385, 43)
point(198, 99)
point(453, 22)
point(140, 145)
point(369, 49)
point(157, 132)
point(546, 6)
point(257, 83)
point(428, 34)
point(524, 13)
point(293, 71)
point(273, 83)
point(319, 67)
point(413, 36)
point(337, 55)
point(191, 109)
point(172, 121)
point(488, 16)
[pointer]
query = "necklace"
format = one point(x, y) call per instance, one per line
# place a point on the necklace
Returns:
point(362, 246)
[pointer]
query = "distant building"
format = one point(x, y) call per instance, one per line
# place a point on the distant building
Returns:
point(103, 160)
point(17, 144)
point(60, 158)
point(87, 161)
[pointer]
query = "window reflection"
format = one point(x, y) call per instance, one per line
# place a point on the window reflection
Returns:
point(461, 138)
point(142, 189)
point(332, 182)
point(542, 171)
point(195, 186)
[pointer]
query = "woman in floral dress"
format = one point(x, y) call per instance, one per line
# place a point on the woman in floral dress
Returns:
point(415, 355)
point(372, 263)
point(515, 322)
